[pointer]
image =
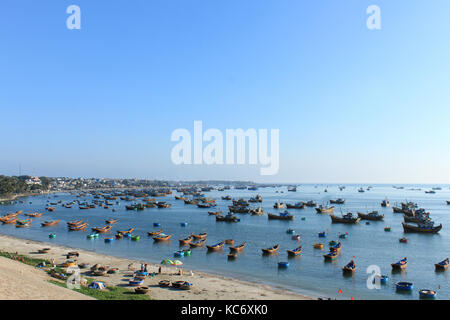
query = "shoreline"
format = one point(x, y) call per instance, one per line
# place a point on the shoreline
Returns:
point(206, 286)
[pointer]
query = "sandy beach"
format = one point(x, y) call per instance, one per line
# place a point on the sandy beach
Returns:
point(205, 286)
point(23, 282)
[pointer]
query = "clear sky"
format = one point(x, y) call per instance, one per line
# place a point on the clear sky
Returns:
point(351, 104)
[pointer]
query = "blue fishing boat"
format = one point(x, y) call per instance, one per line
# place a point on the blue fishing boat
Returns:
point(135, 282)
point(157, 224)
point(179, 253)
point(343, 236)
point(381, 278)
point(290, 231)
point(404, 286)
point(427, 294)
point(283, 264)
point(322, 234)
point(183, 224)
point(109, 239)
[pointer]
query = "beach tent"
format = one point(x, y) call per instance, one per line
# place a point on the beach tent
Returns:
point(97, 285)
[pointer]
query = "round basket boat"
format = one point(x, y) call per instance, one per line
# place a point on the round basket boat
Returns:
point(404, 286)
point(136, 282)
point(141, 290)
point(178, 254)
point(383, 279)
point(427, 294)
point(99, 273)
point(164, 283)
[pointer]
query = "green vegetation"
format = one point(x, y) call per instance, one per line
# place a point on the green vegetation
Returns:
point(12, 185)
point(111, 293)
point(24, 259)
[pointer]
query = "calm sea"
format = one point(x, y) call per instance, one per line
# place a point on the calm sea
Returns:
point(308, 274)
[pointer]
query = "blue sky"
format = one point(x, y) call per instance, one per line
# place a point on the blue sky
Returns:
point(352, 104)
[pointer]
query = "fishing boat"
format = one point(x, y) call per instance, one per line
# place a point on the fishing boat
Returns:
point(200, 236)
point(336, 248)
point(373, 216)
point(238, 209)
point(387, 229)
point(381, 278)
point(197, 244)
point(324, 209)
point(257, 212)
point(227, 218)
point(23, 225)
point(214, 213)
point(155, 233)
point(448, 202)
point(427, 294)
point(310, 203)
point(283, 264)
point(347, 218)
point(51, 209)
point(237, 248)
point(403, 240)
point(385, 203)
point(294, 252)
point(421, 228)
point(163, 204)
point(34, 215)
point(331, 255)
point(185, 241)
point(349, 268)
point(298, 205)
point(80, 227)
point(417, 218)
point(136, 282)
point(232, 256)
point(103, 229)
point(443, 265)
point(75, 223)
point(278, 205)
point(404, 286)
point(343, 236)
point(129, 231)
point(135, 238)
point(229, 242)
point(162, 237)
point(111, 221)
point(216, 247)
point(50, 223)
point(270, 250)
point(401, 264)
point(282, 216)
point(337, 201)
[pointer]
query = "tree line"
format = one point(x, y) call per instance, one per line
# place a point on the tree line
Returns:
point(17, 184)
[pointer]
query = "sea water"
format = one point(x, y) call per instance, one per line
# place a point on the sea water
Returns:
point(368, 244)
